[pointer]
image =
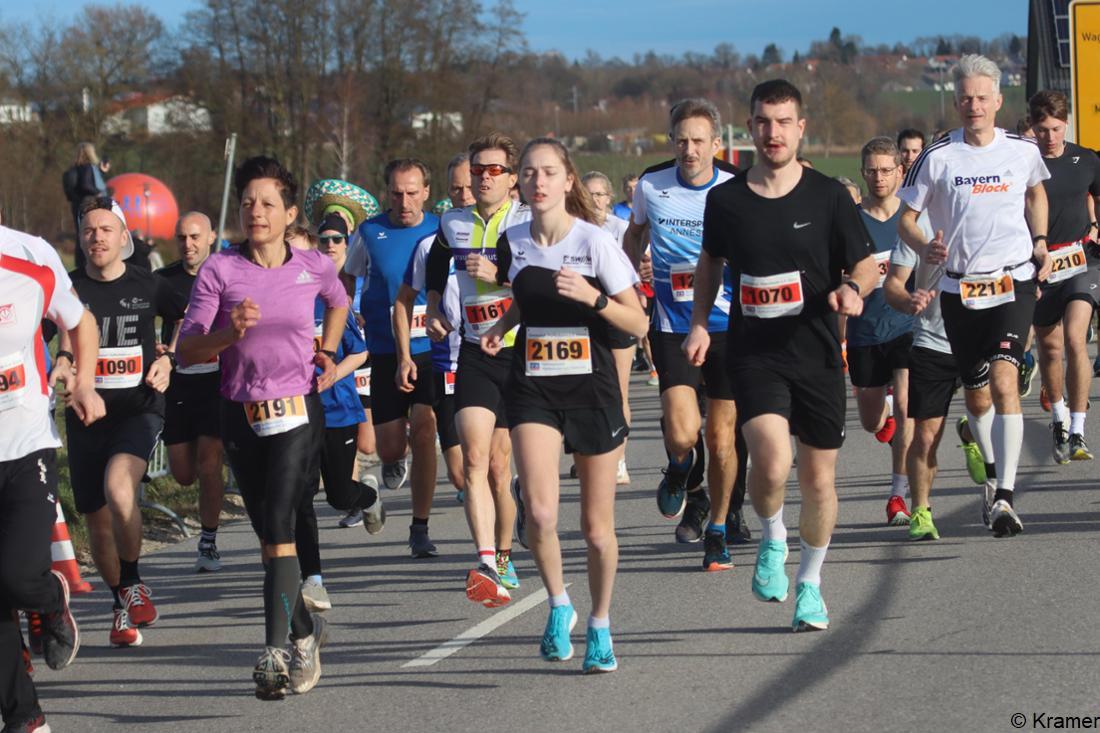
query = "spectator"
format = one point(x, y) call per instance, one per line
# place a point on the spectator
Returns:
point(83, 180)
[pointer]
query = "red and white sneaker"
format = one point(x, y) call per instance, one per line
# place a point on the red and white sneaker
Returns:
point(123, 633)
point(897, 514)
point(37, 724)
point(138, 600)
point(34, 632)
point(886, 433)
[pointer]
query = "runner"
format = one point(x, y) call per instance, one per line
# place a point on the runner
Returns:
point(35, 286)
point(192, 402)
point(108, 459)
point(1070, 296)
point(880, 338)
point(380, 252)
point(468, 237)
point(668, 204)
point(787, 233)
point(252, 306)
point(981, 189)
point(910, 144)
point(624, 208)
point(571, 281)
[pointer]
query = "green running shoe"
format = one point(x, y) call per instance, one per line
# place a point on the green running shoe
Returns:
point(507, 572)
point(810, 613)
point(975, 463)
point(921, 526)
point(769, 581)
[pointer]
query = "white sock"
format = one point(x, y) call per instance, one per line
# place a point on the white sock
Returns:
point(1008, 439)
point(899, 484)
point(599, 623)
point(316, 579)
point(562, 599)
point(809, 566)
point(1059, 412)
point(1077, 423)
point(772, 528)
point(487, 555)
point(890, 405)
point(982, 430)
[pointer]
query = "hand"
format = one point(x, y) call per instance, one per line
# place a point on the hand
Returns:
point(438, 326)
point(244, 316)
point(327, 377)
point(479, 267)
point(492, 341)
point(695, 346)
point(846, 301)
point(645, 268)
point(86, 403)
point(572, 285)
point(1045, 263)
point(936, 252)
point(161, 349)
point(159, 374)
point(63, 374)
point(919, 300)
point(405, 378)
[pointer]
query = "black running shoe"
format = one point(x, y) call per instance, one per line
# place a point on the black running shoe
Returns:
point(1060, 451)
point(696, 511)
point(715, 555)
point(737, 528)
point(61, 637)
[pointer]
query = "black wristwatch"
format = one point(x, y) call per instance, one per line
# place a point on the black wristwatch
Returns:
point(67, 354)
point(601, 302)
point(329, 354)
point(172, 359)
point(854, 286)
point(1037, 237)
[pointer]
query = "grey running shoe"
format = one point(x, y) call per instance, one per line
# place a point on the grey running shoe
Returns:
point(315, 596)
point(60, 635)
point(419, 543)
point(1004, 520)
point(305, 657)
point(521, 513)
point(271, 674)
point(374, 516)
point(394, 474)
point(208, 560)
point(1078, 448)
point(353, 518)
point(696, 511)
point(1060, 450)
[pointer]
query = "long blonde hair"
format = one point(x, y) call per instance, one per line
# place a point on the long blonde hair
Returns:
point(86, 155)
point(578, 202)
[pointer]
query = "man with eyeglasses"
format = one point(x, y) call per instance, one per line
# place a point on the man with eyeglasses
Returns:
point(880, 338)
point(469, 237)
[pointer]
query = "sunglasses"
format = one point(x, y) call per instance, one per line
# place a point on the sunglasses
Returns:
point(494, 170)
point(332, 239)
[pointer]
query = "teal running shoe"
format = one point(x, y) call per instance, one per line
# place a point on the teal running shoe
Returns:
point(507, 572)
point(599, 655)
point(769, 581)
point(555, 646)
point(810, 613)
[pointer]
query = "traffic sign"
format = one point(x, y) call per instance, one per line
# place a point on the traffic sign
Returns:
point(1084, 18)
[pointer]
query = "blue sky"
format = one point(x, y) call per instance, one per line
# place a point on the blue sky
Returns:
point(623, 27)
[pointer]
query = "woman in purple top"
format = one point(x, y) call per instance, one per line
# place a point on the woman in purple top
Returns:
point(252, 307)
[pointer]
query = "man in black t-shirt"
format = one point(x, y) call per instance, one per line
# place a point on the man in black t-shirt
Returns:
point(1072, 292)
point(788, 234)
point(108, 459)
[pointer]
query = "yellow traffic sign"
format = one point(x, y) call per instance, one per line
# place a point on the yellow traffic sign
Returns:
point(1084, 33)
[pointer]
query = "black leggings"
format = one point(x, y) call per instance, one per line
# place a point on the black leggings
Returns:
point(28, 491)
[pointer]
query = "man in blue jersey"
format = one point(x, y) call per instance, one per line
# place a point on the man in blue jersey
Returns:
point(668, 205)
point(624, 208)
point(380, 254)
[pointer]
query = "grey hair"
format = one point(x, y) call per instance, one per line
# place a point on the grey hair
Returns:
point(456, 162)
point(695, 107)
point(976, 65)
point(849, 183)
point(596, 175)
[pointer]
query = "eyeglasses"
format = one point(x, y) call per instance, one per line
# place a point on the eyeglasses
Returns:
point(879, 171)
point(494, 170)
point(600, 195)
point(332, 239)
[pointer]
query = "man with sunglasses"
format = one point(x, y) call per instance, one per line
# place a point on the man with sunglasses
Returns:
point(469, 236)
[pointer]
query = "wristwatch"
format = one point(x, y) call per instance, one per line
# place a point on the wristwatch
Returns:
point(601, 303)
point(172, 359)
point(854, 286)
point(329, 354)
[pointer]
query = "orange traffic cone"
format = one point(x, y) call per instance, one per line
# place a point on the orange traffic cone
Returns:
point(63, 557)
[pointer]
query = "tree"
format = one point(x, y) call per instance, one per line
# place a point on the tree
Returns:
point(771, 55)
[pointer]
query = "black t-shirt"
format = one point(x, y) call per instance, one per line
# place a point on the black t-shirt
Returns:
point(1073, 176)
point(199, 378)
point(125, 310)
point(780, 252)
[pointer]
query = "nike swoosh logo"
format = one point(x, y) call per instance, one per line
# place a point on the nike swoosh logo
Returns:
point(615, 433)
point(803, 225)
point(348, 441)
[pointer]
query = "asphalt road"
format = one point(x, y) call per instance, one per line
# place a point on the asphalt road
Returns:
point(954, 635)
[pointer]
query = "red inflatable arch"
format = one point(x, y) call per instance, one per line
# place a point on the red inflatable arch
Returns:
point(148, 204)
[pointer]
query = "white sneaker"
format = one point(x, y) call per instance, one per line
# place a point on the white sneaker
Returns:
point(315, 596)
point(622, 476)
point(1004, 519)
point(989, 490)
point(374, 516)
point(305, 657)
point(208, 559)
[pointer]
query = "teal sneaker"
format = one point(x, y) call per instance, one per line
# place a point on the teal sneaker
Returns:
point(507, 572)
point(599, 655)
point(555, 646)
point(810, 613)
point(769, 581)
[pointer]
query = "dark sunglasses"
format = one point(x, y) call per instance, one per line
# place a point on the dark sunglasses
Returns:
point(332, 239)
point(494, 170)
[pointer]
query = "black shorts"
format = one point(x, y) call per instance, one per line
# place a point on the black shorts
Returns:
point(874, 366)
point(192, 406)
point(444, 409)
point(389, 403)
point(588, 431)
point(674, 370)
point(618, 339)
point(481, 380)
point(980, 336)
point(933, 380)
point(1050, 308)
point(813, 400)
point(91, 447)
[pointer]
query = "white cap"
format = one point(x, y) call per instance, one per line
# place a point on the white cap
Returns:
point(128, 241)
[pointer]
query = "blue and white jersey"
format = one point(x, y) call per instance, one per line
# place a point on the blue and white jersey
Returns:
point(445, 352)
point(674, 212)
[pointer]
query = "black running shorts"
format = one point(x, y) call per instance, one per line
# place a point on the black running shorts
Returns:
point(389, 403)
point(933, 380)
point(192, 406)
point(979, 336)
point(674, 370)
point(91, 447)
point(444, 409)
point(813, 400)
point(1050, 308)
point(874, 366)
point(481, 380)
point(588, 431)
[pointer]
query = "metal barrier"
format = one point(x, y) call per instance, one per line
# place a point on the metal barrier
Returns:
point(158, 467)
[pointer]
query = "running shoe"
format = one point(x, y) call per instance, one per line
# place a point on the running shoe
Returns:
point(989, 490)
point(305, 657)
point(696, 511)
point(810, 613)
point(521, 513)
point(315, 596)
point(975, 463)
point(374, 516)
point(921, 526)
point(507, 572)
point(208, 560)
point(1060, 450)
point(353, 518)
point(573, 471)
point(60, 635)
point(124, 633)
point(27, 663)
point(1096, 366)
point(272, 674)
point(671, 492)
point(886, 432)
point(622, 476)
point(420, 544)
point(138, 600)
point(715, 555)
point(1078, 448)
point(460, 496)
point(654, 380)
point(35, 724)
point(897, 514)
point(737, 529)
point(1004, 520)
point(394, 474)
point(769, 580)
point(599, 654)
point(1027, 374)
point(1044, 398)
point(555, 645)
point(483, 585)
point(34, 632)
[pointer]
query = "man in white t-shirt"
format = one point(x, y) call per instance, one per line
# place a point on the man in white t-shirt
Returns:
point(982, 189)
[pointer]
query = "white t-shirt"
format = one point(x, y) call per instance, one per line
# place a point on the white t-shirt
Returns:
point(928, 331)
point(616, 227)
point(976, 196)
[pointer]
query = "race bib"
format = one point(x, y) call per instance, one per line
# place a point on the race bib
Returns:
point(362, 381)
point(682, 277)
point(448, 383)
point(979, 292)
point(119, 368)
point(13, 381)
point(1067, 262)
point(318, 336)
point(555, 352)
point(419, 327)
point(882, 260)
point(483, 311)
point(280, 415)
point(772, 296)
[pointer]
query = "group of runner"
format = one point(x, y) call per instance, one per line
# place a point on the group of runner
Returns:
point(506, 329)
